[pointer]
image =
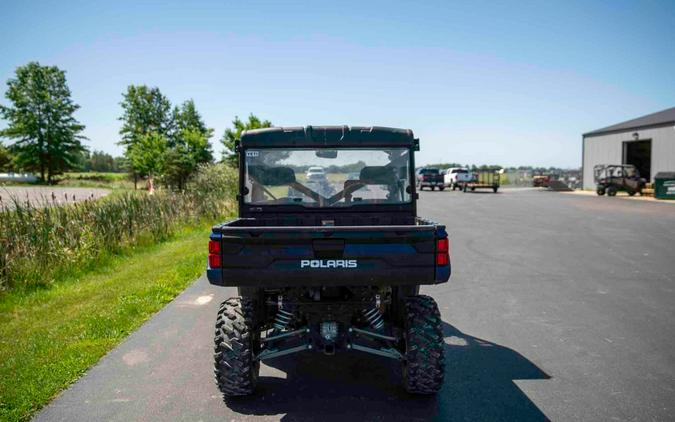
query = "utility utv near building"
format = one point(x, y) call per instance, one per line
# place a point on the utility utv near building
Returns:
point(328, 268)
point(613, 178)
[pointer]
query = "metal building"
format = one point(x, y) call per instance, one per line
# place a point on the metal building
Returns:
point(647, 142)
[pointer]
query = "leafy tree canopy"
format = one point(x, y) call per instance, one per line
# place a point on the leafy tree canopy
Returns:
point(144, 110)
point(444, 166)
point(191, 133)
point(232, 134)
point(99, 161)
point(183, 159)
point(146, 155)
point(46, 136)
point(161, 140)
point(187, 117)
point(6, 159)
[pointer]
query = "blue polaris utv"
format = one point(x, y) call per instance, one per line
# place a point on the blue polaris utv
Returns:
point(328, 255)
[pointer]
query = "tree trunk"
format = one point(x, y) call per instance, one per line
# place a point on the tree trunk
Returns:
point(42, 167)
point(151, 185)
point(49, 170)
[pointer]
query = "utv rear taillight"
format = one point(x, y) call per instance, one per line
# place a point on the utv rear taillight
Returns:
point(214, 261)
point(214, 254)
point(214, 247)
point(442, 252)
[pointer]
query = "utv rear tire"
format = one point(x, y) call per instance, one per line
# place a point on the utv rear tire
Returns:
point(611, 191)
point(600, 191)
point(424, 366)
point(236, 342)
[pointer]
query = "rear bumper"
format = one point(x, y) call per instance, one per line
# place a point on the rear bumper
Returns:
point(241, 277)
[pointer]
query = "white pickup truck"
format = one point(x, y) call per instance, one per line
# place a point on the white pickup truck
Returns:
point(455, 177)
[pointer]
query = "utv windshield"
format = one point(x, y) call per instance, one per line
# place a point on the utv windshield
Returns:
point(327, 177)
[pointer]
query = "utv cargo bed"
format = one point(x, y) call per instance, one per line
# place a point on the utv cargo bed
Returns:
point(286, 256)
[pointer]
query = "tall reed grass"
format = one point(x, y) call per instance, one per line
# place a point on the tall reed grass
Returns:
point(40, 244)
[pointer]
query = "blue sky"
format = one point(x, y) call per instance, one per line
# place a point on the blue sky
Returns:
point(478, 82)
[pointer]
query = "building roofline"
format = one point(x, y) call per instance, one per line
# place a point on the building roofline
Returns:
point(659, 119)
point(601, 132)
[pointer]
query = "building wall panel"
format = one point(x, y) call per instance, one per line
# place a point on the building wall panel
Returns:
point(608, 149)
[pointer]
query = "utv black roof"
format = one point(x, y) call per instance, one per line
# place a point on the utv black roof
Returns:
point(328, 136)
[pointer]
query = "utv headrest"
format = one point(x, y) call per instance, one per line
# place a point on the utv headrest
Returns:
point(378, 175)
point(272, 176)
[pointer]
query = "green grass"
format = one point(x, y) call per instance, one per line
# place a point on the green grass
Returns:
point(97, 175)
point(115, 181)
point(49, 336)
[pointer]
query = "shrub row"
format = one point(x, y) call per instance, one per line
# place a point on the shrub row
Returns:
point(40, 244)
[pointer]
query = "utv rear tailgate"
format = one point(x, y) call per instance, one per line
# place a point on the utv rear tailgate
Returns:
point(326, 255)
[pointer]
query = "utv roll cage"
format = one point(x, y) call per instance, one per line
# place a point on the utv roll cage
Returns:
point(325, 137)
point(602, 172)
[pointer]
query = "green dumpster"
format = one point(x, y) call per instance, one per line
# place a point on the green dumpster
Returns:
point(664, 185)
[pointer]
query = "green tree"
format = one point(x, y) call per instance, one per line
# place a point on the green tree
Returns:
point(444, 166)
point(230, 155)
point(147, 156)
point(189, 145)
point(182, 160)
point(82, 160)
point(145, 111)
point(121, 164)
point(46, 136)
point(189, 124)
point(6, 159)
point(101, 161)
point(187, 117)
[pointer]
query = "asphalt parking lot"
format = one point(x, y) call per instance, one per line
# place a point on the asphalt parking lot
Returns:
point(560, 307)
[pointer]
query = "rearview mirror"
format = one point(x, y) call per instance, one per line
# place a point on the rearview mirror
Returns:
point(327, 153)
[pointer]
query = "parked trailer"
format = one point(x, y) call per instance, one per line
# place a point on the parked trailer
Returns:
point(483, 180)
